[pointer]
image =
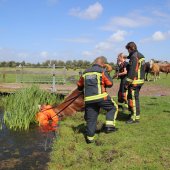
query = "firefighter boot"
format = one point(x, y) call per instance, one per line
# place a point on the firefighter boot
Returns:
point(109, 129)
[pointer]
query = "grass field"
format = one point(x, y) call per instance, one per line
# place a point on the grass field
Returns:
point(138, 146)
point(163, 81)
point(40, 75)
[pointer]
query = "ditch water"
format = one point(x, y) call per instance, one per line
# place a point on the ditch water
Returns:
point(24, 150)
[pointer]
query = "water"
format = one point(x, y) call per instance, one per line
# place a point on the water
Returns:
point(20, 150)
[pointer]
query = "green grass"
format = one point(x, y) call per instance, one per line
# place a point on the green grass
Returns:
point(163, 81)
point(21, 107)
point(43, 75)
point(138, 146)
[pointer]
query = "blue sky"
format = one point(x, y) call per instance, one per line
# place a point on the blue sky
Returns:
point(37, 30)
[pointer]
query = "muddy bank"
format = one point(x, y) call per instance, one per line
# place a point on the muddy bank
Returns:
point(146, 90)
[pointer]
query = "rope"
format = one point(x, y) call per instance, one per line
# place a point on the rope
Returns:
point(74, 98)
point(71, 99)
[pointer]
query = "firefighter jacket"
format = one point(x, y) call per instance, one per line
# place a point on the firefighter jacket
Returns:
point(121, 69)
point(94, 82)
point(136, 73)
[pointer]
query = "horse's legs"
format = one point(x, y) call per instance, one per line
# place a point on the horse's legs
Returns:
point(154, 76)
point(146, 76)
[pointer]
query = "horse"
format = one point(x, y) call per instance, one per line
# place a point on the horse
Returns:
point(165, 68)
point(154, 69)
point(73, 103)
point(147, 70)
point(48, 115)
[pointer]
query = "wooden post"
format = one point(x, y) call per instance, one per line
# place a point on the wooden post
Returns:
point(53, 83)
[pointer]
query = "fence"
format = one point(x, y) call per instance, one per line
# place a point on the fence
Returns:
point(47, 75)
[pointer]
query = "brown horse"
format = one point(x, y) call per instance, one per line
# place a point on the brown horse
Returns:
point(147, 70)
point(73, 103)
point(48, 115)
point(154, 69)
point(165, 68)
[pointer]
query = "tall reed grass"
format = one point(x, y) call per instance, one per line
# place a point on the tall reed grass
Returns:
point(21, 107)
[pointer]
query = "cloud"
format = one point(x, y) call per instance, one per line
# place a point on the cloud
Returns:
point(76, 40)
point(91, 13)
point(102, 46)
point(44, 54)
point(7, 54)
point(108, 44)
point(87, 53)
point(132, 21)
point(157, 36)
point(159, 13)
point(23, 55)
point(113, 44)
point(118, 36)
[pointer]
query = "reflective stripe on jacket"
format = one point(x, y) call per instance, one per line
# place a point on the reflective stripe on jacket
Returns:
point(94, 81)
point(136, 71)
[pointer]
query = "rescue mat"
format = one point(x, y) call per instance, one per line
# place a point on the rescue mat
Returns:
point(47, 118)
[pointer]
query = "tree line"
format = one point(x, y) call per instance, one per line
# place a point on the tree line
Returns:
point(73, 64)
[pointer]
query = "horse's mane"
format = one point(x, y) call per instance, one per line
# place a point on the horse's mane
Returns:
point(73, 102)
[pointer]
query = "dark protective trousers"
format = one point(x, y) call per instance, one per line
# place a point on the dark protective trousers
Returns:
point(92, 112)
point(122, 93)
point(133, 101)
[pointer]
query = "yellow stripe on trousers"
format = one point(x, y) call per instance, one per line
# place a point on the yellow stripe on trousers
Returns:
point(115, 116)
point(134, 105)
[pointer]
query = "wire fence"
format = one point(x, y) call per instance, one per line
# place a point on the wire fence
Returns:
point(39, 75)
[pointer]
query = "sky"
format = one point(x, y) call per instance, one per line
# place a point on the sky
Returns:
point(40, 30)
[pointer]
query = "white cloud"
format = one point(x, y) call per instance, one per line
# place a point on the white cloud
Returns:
point(92, 12)
point(87, 53)
point(76, 40)
point(118, 36)
point(44, 54)
point(113, 45)
point(23, 55)
point(7, 54)
point(131, 21)
point(158, 13)
point(157, 36)
point(108, 44)
point(102, 46)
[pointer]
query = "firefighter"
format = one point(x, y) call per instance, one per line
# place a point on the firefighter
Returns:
point(94, 81)
point(121, 74)
point(134, 81)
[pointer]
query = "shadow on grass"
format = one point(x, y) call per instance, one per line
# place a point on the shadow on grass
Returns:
point(153, 98)
point(123, 116)
point(166, 111)
point(82, 128)
point(152, 104)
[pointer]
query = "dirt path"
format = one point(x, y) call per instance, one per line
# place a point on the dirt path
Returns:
point(147, 90)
